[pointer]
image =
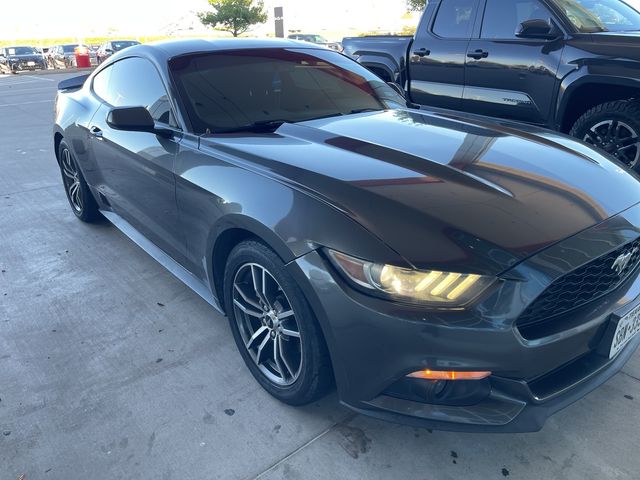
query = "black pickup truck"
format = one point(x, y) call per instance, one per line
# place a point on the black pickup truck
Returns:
point(569, 65)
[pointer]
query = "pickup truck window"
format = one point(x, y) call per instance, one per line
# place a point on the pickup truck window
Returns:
point(502, 17)
point(455, 18)
point(593, 16)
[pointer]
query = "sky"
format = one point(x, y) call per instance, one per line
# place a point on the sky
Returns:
point(79, 18)
point(83, 18)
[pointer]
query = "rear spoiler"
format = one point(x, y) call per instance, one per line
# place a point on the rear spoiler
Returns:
point(73, 83)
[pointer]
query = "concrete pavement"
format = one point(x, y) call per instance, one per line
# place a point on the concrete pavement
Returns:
point(111, 369)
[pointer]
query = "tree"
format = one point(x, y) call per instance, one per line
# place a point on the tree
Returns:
point(416, 4)
point(235, 16)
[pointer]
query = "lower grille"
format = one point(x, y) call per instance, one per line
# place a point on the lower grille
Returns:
point(583, 285)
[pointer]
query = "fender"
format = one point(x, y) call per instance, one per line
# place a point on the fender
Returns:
point(289, 236)
point(591, 73)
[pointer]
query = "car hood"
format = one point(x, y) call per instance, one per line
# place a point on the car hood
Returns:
point(610, 45)
point(442, 190)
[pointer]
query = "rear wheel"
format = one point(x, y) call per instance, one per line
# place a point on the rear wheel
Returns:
point(613, 127)
point(273, 326)
point(80, 198)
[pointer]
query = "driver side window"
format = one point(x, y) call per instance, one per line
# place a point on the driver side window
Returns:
point(502, 17)
point(134, 82)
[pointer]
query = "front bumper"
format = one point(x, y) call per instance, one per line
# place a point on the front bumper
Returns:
point(510, 408)
point(375, 343)
point(24, 66)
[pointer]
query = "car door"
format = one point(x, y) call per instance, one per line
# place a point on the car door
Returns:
point(136, 168)
point(52, 56)
point(437, 56)
point(511, 77)
point(58, 58)
point(100, 54)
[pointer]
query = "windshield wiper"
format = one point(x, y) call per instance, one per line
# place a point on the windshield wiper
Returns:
point(261, 126)
point(337, 114)
point(363, 110)
point(273, 125)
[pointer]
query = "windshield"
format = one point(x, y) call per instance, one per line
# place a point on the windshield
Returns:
point(231, 90)
point(22, 51)
point(592, 16)
point(317, 39)
point(120, 45)
point(69, 48)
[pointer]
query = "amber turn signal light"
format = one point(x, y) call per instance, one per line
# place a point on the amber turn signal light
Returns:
point(441, 375)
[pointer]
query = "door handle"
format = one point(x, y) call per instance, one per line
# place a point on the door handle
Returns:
point(478, 54)
point(95, 131)
point(422, 52)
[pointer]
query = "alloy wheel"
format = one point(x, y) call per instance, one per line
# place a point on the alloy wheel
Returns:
point(267, 324)
point(616, 138)
point(71, 179)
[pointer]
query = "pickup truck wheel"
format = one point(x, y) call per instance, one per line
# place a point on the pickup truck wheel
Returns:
point(613, 127)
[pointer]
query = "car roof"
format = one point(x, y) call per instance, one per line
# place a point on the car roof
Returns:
point(167, 49)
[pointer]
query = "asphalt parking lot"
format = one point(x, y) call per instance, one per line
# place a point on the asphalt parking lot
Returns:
point(110, 368)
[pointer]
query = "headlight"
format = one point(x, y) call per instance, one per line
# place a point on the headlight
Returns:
point(444, 289)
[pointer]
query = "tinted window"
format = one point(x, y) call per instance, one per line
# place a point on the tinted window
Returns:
point(134, 82)
point(502, 17)
point(101, 83)
point(231, 90)
point(69, 48)
point(455, 18)
point(22, 51)
point(591, 16)
point(124, 44)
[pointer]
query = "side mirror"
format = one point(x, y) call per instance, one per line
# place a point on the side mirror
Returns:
point(399, 90)
point(108, 50)
point(135, 119)
point(536, 28)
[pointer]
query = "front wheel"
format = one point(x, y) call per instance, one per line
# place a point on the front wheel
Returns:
point(80, 198)
point(274, 327)
point(613, 127)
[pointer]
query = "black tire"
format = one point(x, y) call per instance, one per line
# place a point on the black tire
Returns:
point(622, 140)
point(83, 204)
point(315, 375)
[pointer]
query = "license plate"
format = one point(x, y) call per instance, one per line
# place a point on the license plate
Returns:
point(31, 64)
point(628, 327)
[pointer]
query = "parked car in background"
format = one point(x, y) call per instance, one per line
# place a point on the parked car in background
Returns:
point(109, 48)
point(569, 65)
point(63, 56)
point(317, 39)
point(47, 52)
point(446, 270)
point(20, 58)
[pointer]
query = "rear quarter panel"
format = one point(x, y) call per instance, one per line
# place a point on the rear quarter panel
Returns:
point(73, 113)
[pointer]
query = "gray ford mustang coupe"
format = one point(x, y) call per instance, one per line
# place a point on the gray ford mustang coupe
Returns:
point(442, 270)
